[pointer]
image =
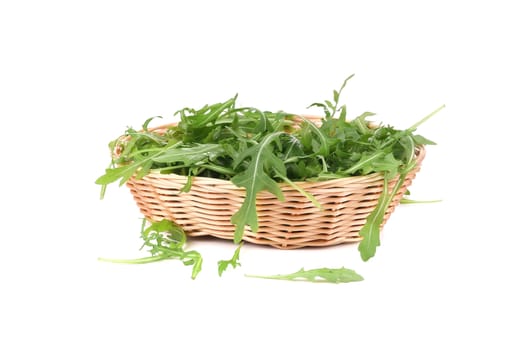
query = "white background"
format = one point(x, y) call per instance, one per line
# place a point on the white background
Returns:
point(74, 74)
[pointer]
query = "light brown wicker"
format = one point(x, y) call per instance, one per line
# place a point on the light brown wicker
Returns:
point(207, 208)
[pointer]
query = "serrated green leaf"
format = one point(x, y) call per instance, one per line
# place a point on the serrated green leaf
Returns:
point(343, 116)
point(370, 232)
point(188, 155)
point(386, 164)
point(255, 179)
point(335, 96)
point(322, 147)
point(362, 124)
point(166, 241)
point(121, 173)
point(300, 190)
point(323, 106)
point(146, 123)
point(365, 160)
point(197, 260)
point(330, 105)
point(263, 123)
point(407, 142)
point(322, 275)
point(234, 261)
point(188, 185)
point(196, 119)
point(420, 140)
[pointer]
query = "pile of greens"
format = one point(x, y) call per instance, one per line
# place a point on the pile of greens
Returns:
point(257, 150)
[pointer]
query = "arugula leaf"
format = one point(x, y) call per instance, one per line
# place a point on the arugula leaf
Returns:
point(166, 240)
point(361, 123)
point(408, 148)
point(371, 229)
point(234, 261)
point(255, 179)
point(188, 155)
point(322, 148)
point(420, 140)
point(327, 112)
point(329, 108)
point(191, 118)
point(142, 161)
point(366, 159)
point(122, 173)
point(370, 232)
point(343, 116)
point(386, 164)
point(146, 123)
point(322, 275)
point(302, 191)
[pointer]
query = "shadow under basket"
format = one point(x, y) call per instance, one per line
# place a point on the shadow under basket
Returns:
point(207, 208)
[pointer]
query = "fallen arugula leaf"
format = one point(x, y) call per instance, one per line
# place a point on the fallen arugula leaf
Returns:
point(166, 240)
point(323, 275)
point(234, 261)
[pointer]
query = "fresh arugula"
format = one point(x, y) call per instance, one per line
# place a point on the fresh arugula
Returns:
point(371, 230)
point(234, 261)
point(256, 178)
point(166, 240)
point(259, 150)
point(323, 275)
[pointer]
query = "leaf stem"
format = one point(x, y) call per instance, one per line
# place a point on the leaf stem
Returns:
point(413, 201)
point(415, 126)
point(143, 260)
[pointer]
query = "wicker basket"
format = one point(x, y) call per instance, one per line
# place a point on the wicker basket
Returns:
point(207, 208)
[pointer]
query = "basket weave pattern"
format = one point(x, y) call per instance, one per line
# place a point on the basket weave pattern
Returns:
point(207, 208)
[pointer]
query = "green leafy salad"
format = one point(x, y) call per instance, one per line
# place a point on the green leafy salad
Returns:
point(257, 150)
